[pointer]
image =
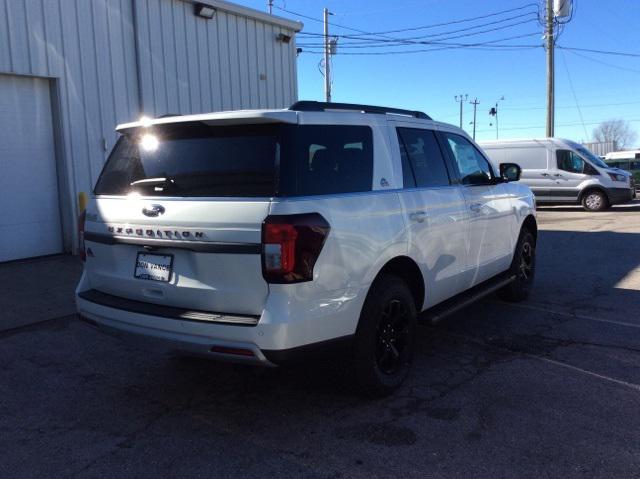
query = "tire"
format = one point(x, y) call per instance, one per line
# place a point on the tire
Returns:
point(385, 338)
point(595, 200)
point(523, 267)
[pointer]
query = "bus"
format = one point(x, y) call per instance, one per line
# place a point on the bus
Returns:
point(625, 160)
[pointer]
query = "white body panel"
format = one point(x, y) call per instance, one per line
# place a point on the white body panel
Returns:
point(455, 244)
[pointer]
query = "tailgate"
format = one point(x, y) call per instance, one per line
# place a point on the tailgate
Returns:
point(198, 254)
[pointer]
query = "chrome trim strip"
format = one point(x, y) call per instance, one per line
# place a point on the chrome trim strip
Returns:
point(196, 246)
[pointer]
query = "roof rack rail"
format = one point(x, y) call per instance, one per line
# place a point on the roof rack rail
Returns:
point(308, 105)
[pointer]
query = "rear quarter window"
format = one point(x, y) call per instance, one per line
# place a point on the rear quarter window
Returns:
point(327, 159)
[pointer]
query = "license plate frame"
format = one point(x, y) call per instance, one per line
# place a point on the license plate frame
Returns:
point(142, 271)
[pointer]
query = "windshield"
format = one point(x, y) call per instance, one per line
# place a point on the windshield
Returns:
point(596, 160)
point(194, 159)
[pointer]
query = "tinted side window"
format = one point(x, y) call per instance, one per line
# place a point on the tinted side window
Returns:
point(569, 161)
point(408, 179)
point(327, 159)
point(425, 158)
point(474, 168)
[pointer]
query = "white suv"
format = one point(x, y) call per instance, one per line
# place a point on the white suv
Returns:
point(262, 236)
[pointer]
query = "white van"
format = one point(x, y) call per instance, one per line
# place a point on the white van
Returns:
point(563, 171)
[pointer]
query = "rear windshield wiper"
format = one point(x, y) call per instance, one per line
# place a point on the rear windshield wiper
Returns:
point(151, 181)
point(168, 182)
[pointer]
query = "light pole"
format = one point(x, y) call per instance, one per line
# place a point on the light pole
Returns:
point(494, 112)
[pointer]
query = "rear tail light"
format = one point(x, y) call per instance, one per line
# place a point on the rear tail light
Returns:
point(291, 245)
point(81, 249)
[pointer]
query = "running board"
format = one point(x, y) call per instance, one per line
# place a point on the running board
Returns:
point(462, 300)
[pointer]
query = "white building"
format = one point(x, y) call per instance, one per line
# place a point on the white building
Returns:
point(70, 70)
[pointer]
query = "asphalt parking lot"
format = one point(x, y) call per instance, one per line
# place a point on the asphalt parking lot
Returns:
point(546, 388)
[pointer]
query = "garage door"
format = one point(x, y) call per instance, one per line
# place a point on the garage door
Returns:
point(29, 208)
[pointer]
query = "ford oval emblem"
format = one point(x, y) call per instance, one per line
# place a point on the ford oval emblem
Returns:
point(153, 210)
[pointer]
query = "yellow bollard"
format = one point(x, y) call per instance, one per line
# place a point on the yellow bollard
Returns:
point(82, 201)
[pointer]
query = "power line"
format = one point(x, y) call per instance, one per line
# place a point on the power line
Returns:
point(423, 27)
point(321, 21)
point(449, 46)
point(399, 42)
point(573, 106)
point(566, 67)
point(364, 38)
point(465, 20)
point(603, 52)
point(532, 127)
point(611, 65)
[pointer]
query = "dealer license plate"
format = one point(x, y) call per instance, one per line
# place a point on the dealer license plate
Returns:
point(156, 267)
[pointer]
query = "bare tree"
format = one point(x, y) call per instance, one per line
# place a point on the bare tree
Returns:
point(618, 131)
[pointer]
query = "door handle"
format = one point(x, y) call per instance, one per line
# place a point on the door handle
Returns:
point(558, 175)
point(544, 174)
point(418, 216)
point(475, 207)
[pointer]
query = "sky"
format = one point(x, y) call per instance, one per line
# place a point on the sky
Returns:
point(590, 87)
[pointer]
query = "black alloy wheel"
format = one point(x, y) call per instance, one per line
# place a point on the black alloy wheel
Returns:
point(392, 338)
point(385, 337)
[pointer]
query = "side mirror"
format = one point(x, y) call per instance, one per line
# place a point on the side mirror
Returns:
point(510, 171)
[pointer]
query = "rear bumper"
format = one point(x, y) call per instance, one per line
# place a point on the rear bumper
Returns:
point(177, 343)
point(620, 195)
point(288, 329)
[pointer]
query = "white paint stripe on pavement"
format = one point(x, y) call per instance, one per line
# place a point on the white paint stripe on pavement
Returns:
point(635, 387)
point(572, 315)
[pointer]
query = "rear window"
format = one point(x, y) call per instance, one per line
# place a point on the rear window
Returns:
point(240, 161)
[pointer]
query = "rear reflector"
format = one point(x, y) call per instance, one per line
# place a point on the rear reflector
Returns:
point(291, 245)
point(234, 351)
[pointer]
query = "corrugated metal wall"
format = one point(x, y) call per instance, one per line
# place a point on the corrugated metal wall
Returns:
point(600, 148)
point(182, 64)
point(189, 64)
point(86, 49)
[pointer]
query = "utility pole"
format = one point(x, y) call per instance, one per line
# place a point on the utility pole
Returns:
point(327, 54)
point(461, 99)
point(475, 104)
point(550, 70)
point(270, 6)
